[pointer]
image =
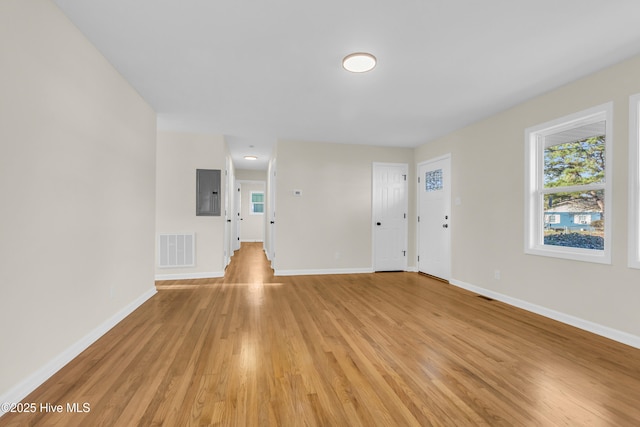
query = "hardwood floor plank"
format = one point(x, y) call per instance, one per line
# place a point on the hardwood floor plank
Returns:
point(251, 349)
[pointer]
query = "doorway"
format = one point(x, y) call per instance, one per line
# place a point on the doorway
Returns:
point(251, 212)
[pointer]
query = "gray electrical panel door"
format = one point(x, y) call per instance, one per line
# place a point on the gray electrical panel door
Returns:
point(207, 192)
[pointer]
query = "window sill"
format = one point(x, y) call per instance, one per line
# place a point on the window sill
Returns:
point(574, 254)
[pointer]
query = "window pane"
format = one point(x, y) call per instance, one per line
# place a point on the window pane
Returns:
point(577, 162)
point(257, 197)
point(433, 180)
point(567, 213)
point(574, 219)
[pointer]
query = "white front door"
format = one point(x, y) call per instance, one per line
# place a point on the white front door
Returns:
point(434, 217)
point(390, 206)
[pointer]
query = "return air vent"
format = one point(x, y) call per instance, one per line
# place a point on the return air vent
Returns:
point(176, 250)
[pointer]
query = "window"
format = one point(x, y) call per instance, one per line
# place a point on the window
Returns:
point(257, 203)
point(634, 181)
point(582, 219)
point(568, 193)
point(433, 180)
point(552, 219)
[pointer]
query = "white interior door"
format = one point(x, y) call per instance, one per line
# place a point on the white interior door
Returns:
point(434, 217)
point(238, 216)
point(227, 223)
point(229, 215)
point(270, 229)
point(390, 206)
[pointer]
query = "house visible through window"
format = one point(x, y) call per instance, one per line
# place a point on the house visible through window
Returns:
point(257, 202)
point(568, 182)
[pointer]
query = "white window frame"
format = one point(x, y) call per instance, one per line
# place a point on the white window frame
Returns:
point(634, 181)
point(252, 203)
point(534, 185)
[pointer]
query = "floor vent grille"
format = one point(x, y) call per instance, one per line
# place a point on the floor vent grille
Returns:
point(176, 250)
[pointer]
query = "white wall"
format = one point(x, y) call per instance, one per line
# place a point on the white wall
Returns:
point(329, 227)
point(487, 227)
point(251, 175)
point(77, 182)
point(178, 156)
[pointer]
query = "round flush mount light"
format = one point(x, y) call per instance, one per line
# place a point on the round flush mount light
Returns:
point(359, 62)
point(250, 158)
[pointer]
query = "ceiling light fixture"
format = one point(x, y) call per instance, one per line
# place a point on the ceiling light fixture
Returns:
point(250, 157)
point(359, 62)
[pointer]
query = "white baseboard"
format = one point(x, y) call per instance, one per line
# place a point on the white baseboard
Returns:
point(35, 380)
point(604, 331)
point(322, 271)
point(182, 276)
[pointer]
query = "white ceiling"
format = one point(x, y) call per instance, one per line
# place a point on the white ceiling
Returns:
point(257, 71)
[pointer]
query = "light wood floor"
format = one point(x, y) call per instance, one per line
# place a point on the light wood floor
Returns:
point(386, 349)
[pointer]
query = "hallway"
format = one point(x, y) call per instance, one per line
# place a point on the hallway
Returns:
point(248, 265)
